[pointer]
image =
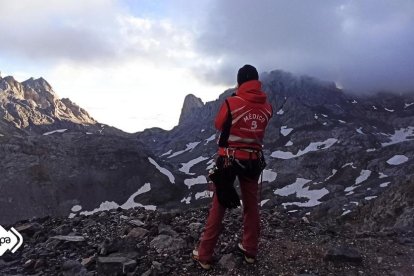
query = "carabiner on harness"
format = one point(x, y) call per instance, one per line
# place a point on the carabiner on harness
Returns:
point(229, 157)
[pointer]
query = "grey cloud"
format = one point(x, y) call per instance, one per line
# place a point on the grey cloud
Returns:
point(57, 43)
point(45, 32)
point(103, 32)
point(363, 45)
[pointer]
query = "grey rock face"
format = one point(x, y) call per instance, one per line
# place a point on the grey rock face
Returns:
point(392, 211)
point(48, 175)
point(191, 106)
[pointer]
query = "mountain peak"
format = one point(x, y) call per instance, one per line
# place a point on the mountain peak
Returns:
point(39, 85)
point(33, 102)
point(191, 103)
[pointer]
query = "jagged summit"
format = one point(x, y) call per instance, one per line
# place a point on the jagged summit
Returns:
point(33, 103)
point(39, 85)
point(190, 105)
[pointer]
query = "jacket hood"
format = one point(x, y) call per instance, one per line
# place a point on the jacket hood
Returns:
point(251, 91)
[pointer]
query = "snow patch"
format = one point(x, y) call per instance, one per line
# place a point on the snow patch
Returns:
point(382, 175)
point(359, 130)
point(314, 146)
point(55, 131)
point(263, 202)
point(280, 112)
point(289, 143)
point(204, 194)
point(298, 189)
point(209, 139)
point(185, 167)
point(269, 176)
point(211, 163)
point(166, 153)
point(187, 200)
point(334, 171)
point(364, 175)
point(284, 130)
point(389, 110)
point(350, 188)
point(385, 184)
point(349, 165)
point(130, 203)
point(370, 150)
point(316, 117)
point(189, 147)
point(408, 105)
point(354, 102)
point(163, 170)
point(397, 160)
point(400, 135)
point(342, 121)
point(370, 197)
point(76, 208)
point(346, 212)
point(201, 179)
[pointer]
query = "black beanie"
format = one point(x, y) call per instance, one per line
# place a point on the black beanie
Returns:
point(247, 73)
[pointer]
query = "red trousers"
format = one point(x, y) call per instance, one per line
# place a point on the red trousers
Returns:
point(251, 221)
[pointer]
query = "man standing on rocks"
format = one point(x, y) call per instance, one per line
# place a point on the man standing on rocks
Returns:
point(242, 120)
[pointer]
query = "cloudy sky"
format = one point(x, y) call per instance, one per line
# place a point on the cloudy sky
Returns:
point(130, 63)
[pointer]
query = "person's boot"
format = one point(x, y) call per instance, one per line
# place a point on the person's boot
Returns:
point(203, 265)
point(247, 258)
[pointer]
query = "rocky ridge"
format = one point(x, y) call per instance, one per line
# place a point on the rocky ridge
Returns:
point(34, 105)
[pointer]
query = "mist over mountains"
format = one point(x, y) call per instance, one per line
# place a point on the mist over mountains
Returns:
point(328, 153)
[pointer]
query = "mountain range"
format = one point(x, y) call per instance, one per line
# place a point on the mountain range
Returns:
point(329, 153)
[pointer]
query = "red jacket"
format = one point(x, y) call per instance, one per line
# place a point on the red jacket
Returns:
point(250, 113)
